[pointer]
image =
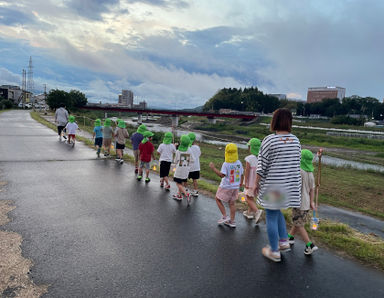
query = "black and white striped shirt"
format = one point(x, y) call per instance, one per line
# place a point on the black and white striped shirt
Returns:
point(279, 168)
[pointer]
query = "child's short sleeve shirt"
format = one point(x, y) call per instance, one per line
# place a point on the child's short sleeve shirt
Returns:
point(232, 172)
point(98, 132)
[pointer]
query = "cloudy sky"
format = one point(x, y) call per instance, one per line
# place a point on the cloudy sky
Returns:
point(178, 53)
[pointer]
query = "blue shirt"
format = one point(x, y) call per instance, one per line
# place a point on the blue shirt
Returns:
point(136, 140)
point(98, 132)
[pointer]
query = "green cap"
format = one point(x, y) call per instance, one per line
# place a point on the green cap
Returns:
point(97, 122)
point(71, 119)
point(192, 137)
point(254, 145)
point(306, 160)
point(147, 134)
point(142, 129)
point(184, 143)
point(168, 138)
point(121, 124)
point(107, 122)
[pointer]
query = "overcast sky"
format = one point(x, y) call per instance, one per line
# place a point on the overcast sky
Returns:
point(179, 53)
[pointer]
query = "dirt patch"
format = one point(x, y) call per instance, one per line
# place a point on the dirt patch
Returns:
point(14, 268)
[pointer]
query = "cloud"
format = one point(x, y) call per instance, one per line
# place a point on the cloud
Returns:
point(92, 9)
point(9, 78)
point(11, 16)
point(163, 3)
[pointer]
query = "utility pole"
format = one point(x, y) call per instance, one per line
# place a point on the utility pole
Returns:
point(30, 83)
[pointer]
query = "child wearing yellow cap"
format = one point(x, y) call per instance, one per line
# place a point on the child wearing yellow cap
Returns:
point(231, 175)
point(249, 180)
point(300, 215)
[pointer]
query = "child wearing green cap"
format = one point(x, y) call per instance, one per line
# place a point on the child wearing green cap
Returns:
point(98, 136)
point(166, 151)
point(121, 134)
point(194, 173)
point(107, 136)
point(146, 154)
point(300, 215)
point(136, 139)
point(249, 180)
point(183, 161)
point(71, 130)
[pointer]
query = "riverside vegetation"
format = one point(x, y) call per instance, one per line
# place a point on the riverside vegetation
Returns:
point(341, 187)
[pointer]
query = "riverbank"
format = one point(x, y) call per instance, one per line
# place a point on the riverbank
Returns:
point(368, 249)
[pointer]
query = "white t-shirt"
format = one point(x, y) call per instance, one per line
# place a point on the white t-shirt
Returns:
point(252, 160)
point(61, 116)
point(308, 183)
point(71, 128)
point(166, 152)
point(183, 161)
point(196, 158)
point(232, 172)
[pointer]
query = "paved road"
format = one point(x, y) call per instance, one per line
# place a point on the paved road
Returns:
point(93, 231)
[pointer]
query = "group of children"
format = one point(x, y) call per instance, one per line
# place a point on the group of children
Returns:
point(185, 156)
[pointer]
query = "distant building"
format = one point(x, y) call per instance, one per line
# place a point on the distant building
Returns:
point(126, 98)
point(279, 96)
point(14, 93)
point(317, 94)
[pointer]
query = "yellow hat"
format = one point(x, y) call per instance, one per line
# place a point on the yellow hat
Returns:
point(231, 154)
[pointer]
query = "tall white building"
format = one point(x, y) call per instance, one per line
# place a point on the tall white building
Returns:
point(126, 98)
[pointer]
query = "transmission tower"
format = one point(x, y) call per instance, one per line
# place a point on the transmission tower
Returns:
point(23, 85)
point(30, 84)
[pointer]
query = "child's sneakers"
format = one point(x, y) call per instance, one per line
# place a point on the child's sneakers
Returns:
point(274, 256)
point(121, 161)
point(249, 215)
point(291, 240)
point(310, 249)
point(147, 180)
point(139, 178)
point(161, 184)
point(195, 193)
point(177, 197)
point(258, 215)
point(223, 220)
point(230, 223)
point(284, 245)
point(167, 187)
point(188, 197)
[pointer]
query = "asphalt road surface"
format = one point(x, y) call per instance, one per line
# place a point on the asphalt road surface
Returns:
point(92, 230)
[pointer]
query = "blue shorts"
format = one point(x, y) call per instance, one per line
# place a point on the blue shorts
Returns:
point(99, 142)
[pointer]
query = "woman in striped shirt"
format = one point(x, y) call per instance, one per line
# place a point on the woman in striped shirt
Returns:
point(278, 180)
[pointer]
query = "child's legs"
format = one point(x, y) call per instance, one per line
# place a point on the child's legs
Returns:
point(293, 231)
point(166, 180)
point(282, 226)
point(232, 209)
point(181, 188)
point(147, 172)
point(195, 184)
point(221, 207)
point(272, 217)
point(251, 204)
point(303, 234)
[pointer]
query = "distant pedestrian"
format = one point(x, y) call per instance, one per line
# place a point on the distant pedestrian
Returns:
point(121, 134)
point(98, 136)
point(249, 180)
point(71, 128)
point(183, 161)
point(194, 173)
point(136, 139)
point(231, 175)
point(300, 215)
point(107, 136)
point(146, 149)
point(166, 151)
point(278, 180)
point(61, 118)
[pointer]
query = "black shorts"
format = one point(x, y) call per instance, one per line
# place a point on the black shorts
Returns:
point(99, 142)
point(194, 175)
point(60, 129)
point(120, 146)
point(165, 166)
point(179, 181)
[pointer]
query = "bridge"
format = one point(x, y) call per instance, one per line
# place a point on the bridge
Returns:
point(175, 114)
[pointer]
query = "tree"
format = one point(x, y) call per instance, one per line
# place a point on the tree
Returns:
point(77, 98)
point(73, 99)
